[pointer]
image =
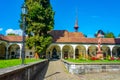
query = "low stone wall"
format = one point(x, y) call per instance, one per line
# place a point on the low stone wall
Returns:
point(90, 68)
point(23, 72)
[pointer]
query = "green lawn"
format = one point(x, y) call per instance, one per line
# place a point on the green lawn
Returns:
point(14, 62)
point(93, 61)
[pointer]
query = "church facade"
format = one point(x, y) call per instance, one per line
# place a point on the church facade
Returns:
point(65, 45)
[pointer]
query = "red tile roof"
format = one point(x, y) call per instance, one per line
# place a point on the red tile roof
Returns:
point(63, 36)
point(1, 37)
point(11, 38)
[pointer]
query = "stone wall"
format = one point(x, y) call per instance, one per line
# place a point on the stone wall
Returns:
point(23, 72)
point(90, 68)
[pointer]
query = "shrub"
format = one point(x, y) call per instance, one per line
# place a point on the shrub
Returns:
point(108, 57)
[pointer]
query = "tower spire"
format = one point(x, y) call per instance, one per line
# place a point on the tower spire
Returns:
point(76, 22)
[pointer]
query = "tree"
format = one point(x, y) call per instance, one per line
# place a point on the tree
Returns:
point(12, 34)
point(85, 35)
point(109, 35)
point(119, 35)
point(40, 20)
point(95, 35)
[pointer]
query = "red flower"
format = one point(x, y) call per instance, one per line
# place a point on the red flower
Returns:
point(112, 58)
point(94, 58)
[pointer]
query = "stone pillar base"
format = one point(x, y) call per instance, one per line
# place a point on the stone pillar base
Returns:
point(99, 55)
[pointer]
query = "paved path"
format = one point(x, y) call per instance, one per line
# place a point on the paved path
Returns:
point(101, 76)
point(57, 71)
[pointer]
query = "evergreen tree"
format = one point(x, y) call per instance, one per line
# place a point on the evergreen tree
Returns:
point(40, 20)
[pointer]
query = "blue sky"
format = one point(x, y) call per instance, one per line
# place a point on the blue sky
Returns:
point(92, 15)
point(10, 15)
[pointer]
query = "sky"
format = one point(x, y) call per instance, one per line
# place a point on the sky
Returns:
point(93, 15)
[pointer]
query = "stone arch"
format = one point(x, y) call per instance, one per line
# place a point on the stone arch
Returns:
point(116, 51)
point(80, 52)
point(106, 51)
point(53, 51)
point(92, 50)
point(67, 51)
point(3, 50)
point(14, 51)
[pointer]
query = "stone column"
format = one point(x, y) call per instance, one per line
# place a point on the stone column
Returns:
point(74, 46)
point(86, 51)
point(7, 52)
point(20, 53)
point(51, 54)
point(61, 46)
point(111, 47)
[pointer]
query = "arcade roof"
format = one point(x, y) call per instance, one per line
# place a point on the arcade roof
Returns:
point(11, 38)
point(63, 36)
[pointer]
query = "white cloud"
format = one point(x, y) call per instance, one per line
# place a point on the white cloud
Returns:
point(1, 29)
point(18, 31)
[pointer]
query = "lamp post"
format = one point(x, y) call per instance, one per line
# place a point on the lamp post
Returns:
point(24, 13)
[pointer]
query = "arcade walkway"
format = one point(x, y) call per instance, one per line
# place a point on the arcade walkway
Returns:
point(56, 71)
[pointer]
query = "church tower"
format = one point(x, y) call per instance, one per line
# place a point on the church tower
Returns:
point(76, 23)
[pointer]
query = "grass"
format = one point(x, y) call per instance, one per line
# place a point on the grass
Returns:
point(93, 61)
point(15, 62)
